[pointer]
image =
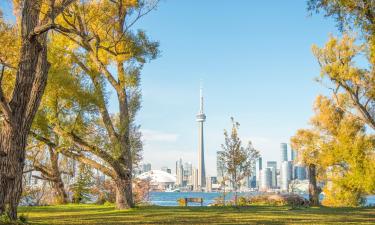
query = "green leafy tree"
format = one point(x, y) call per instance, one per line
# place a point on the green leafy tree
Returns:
point(111, 54)
point(82, 187)
point(237, 159)
point(66, 97)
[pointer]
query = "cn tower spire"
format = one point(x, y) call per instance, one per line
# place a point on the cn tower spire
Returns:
point(201, 99)
point(201, 118)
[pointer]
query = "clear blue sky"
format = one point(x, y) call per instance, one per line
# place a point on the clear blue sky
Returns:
point(255, 60)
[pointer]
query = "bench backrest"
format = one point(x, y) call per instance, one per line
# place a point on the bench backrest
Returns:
point(198, 200)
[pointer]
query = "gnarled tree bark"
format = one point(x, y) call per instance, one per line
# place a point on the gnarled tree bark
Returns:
point(31, 79)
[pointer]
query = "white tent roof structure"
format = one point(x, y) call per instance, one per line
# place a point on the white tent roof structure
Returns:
point(158, 176)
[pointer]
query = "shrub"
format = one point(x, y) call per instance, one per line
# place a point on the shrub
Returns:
point(181, 202)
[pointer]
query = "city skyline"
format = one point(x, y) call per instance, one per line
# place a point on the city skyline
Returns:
point(271, 95)
point(239, 87)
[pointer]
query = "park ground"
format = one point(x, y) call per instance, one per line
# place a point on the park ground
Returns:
point(106, 214)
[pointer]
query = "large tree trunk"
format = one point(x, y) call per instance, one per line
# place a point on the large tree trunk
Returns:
point(124, 193)
point(29, 86)
point(313, 187)
point(11, 167)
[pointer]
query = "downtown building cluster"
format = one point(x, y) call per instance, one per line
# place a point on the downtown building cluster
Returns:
point(289, 176)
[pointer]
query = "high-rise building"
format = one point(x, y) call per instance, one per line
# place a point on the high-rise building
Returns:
point(201, 118)
point(146, 167)
point(300, 172)
point(284, 152)
point(188, 167)
point(252, 178)
point(285, 175)
point(273, 166)
point(188, 170)
point(266, 179)
point(220, 168)
point(258, 169)
point(208, 184)
point(179, 173)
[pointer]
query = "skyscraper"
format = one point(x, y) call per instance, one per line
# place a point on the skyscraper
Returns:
point(201, 118)
point(266, 178)
point(258, 169)
point(146, 167)
point(284, 152)
point(300, 172)
point(179, 173)
point(286, 175)
point(273, 166)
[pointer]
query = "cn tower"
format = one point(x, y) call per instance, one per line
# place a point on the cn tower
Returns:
point(201, 118)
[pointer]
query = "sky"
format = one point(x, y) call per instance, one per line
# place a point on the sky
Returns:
point(255, 62)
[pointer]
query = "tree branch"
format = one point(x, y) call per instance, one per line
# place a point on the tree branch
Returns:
point(4, 104)
point(92, 163)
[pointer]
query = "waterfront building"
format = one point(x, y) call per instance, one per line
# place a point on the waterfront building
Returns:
point(201, 118)
point(179, 173)
point(208, 184)
point(285, 175)
point(273, 166)
point(252, 178)
point(159, 180)
point(300, 172)
point(146, 167)
point(266, 179)
point(188, 168)
point(284, 152)
point(258, 169)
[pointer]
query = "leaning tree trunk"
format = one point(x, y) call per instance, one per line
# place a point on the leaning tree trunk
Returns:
point(313, 187)
point(58, 185)
point(59, 191)
point(30, 82)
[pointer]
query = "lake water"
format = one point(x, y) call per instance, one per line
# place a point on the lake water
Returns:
point(170, 198)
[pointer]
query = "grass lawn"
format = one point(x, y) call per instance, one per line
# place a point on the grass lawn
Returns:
point(98, 214)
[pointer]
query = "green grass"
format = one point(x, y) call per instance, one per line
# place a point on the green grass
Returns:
point(98, 214)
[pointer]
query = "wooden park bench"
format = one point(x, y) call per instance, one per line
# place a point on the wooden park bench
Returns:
point(185, 201)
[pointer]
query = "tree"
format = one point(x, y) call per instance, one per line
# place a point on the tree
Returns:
point(47, 161)
point(354, 87)
point(106, 42)
point(306, 142)
point(66, 97)
point(340, 149)
point(82, 186)
point(351, 84)
point(18, 108)
point(348, 13)
point(237, 159)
